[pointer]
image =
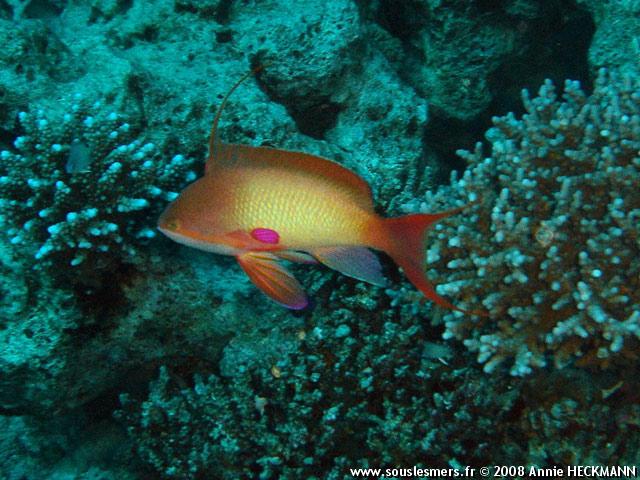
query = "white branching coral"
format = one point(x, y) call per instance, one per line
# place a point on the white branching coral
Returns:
point(83, 189)
point(553, 250)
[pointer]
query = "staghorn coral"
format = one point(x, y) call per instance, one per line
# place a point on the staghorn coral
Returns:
point(553, 251)
point(82, 189)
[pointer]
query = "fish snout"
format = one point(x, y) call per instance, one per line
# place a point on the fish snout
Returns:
point(168, 221)
point(169, 226)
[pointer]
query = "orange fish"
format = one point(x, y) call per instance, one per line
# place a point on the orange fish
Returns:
point(263, 205)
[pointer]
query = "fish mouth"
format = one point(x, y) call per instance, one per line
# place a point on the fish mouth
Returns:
point(177, 237)
point(194, 242)
point(169, 225)
point(168, 222)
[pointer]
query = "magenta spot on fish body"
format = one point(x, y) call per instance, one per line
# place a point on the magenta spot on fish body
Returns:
point(265, 235)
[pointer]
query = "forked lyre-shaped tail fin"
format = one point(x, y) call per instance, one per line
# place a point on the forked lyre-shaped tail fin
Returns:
point(405, 244)
point(214, 140)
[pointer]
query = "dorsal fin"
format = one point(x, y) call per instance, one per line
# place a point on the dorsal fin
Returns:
point(231, 155)
point(214, 141)
point(321, 169)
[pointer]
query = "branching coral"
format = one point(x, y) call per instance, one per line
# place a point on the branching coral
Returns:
point(553, 252)
point(82, 190)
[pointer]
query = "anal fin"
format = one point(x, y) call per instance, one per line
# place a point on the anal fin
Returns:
point(273, 279)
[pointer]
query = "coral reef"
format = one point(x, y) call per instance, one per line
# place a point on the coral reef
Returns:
point(390, 89)
point(324, 95)
point(552, 252)
point(63, 348)
point(60, 448)
point(82, 190)
point(452, 49)
point(616, 43)
point(458, 55)
point(366, 387)
point(331, 404)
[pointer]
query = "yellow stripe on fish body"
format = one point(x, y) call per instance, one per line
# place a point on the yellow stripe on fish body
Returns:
point(304, 212)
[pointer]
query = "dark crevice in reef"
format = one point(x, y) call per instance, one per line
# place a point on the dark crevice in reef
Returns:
point(5, 10)
point(557, 49)
point(101, 296)
point(444, 136)
point(101, 408)
point(8, 137)
point(42, 9)
point(313, 120)
point(222, 13)
point(317, 119)
point(556, 35)
point(219, 12)
point(401, 18)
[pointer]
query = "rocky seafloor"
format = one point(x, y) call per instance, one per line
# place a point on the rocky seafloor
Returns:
point(126, 356)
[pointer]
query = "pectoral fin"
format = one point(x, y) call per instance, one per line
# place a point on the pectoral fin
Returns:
point(273, 279)
point(356, 262)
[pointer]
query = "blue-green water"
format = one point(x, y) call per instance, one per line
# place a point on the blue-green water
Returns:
point(125, 355)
